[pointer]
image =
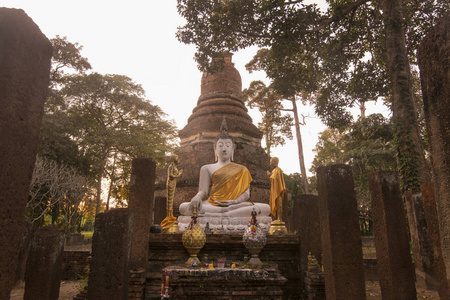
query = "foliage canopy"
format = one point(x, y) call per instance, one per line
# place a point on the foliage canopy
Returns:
point(340, 53)
point(96, 124)
point(274, 125)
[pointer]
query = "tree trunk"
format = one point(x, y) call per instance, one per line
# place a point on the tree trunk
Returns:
point(268, 144)
point(111, 181)
point(413, 167)
point(362, 109)
point(55, 212)
point(109, 193)
point(99, 189)
point(300, 148)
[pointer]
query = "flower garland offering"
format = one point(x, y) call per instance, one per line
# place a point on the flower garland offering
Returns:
point(165, 287)
point(211, 266)
point(252, 224)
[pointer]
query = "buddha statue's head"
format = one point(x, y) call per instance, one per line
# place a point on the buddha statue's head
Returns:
point(224, 144)
point(174, 159)
point(274, 162)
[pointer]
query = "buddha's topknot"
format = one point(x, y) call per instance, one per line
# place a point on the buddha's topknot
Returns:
point(224, 131)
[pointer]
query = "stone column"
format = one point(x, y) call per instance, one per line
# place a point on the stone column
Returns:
point(160, 210)
point(306, 222)
point(429, 207)
point(340, 233)
point(434, 64)
point(23, 253)
point(111, 245)
point(142, 188)
point(421, 243)
point(394, 260)
point(287, 211)
point(307, 225)
point(25, 55)
point(43, 274)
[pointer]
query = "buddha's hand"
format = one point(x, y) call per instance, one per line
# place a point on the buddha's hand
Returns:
point(226, 203)
point(197, 202)
point(237, 206)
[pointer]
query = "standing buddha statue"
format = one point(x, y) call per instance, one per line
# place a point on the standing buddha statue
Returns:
point(277, 190)
point(170, 224)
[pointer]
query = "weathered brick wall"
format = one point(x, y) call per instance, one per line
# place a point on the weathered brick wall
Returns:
point(75, 264)
point(74, 239)
point(167, 250)
point(224, 284)
point(314, 283)
point(136, 284)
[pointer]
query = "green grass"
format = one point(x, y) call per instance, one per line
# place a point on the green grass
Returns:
point(87, 234)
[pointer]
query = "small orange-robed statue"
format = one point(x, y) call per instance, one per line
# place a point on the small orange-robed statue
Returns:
point(170, 224)
point(277, 190)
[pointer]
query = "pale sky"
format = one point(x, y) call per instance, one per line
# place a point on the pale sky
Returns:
point(136, 38)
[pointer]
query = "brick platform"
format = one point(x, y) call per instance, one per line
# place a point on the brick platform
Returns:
point(314, 285)
point(136, 284)
point(224, 283)
point(167, 250)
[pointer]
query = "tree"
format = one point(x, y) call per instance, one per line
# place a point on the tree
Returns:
point(274, 125)
point(329, 149)
point(56, 185)
point(57, 190)
point(294, 184)
point(353, 44)
point(90, 118)
point(119, 171)
point(56, 129)
point(301, 158)
point(413, 167)
point(366, 145)
point(288, 83)
point(269, 103)
point(110, 115)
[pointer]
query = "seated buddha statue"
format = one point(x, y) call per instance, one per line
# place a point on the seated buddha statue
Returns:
point(230, 190)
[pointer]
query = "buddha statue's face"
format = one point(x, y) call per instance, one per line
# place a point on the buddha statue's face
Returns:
point(273, 162)
point(174, 159)
point(224, 149)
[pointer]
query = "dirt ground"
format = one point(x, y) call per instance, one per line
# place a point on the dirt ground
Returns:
point(373, 292)
point(67, 290)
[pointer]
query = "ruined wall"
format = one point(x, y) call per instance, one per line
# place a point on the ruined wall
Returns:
point(25, 55)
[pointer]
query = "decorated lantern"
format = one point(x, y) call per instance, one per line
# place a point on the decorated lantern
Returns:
point(193, 239)
point(254, 240)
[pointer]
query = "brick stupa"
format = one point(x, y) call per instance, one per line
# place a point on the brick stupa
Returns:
point(221, 97)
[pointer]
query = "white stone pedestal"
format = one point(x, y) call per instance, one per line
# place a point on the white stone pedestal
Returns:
point(225, 225)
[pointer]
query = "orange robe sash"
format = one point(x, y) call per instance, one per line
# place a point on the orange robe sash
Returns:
point(229, 182)
point(277, 188)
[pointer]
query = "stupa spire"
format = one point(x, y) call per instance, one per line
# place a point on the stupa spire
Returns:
point(221, 96)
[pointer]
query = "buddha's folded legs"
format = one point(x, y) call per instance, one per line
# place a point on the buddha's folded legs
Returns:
point(243, 209)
